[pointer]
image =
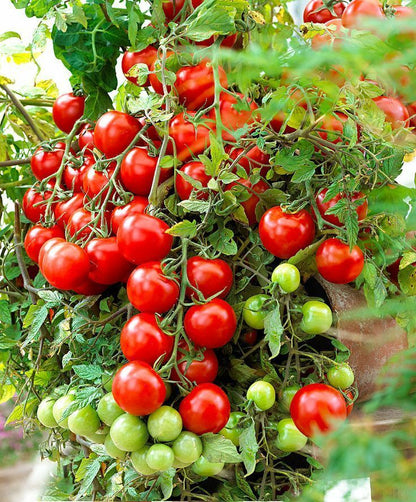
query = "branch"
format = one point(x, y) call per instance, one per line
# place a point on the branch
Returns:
point(11, 184)
point(14, 162)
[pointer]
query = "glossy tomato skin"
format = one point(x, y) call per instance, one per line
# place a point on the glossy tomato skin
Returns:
point(195, 170)
point(138, 389)
point(395, 111)
point(73, 176)
point(46, 247)
point(250, 204)
point(66, 110)
point(64, 209)
point(210, 325)
point(149, 290)
point(358, 10)
point(210, 277)
point(316, 408)
point(97, 183)
point(205, 409)
point(323, 207)
point(146, 56)
point(195, 85)
point(114, 131)
point(333, 35)
point(64, 265)
point(337, 264)
point(108, 266)
point(198, 371)
point(143, 238)
point(172, 8)
point(229, 41)
point(45, 163)
point(89, 288)
point(34, 204)
point(155, 74)
point(188, 139)
point(36, 238)
point(253, 159)
point(135, 206)
point(315, 13)
point(86, 138)
point(333, 127)
point(80, 223)
point(284, 234)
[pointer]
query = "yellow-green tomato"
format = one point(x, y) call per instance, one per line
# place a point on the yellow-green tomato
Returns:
point(287, 395)
point(289, 436)
point(317, 317)
point(263, 394)
point(45, 413)
point(138, 459)
point(112, 449)
point(230, 430)
point(164, 424)
point(160, 457)
point(341, 376)
point(62, 404)
point(99, 436)
point(254, 312)
point(187, 447)
point(287, 276)
point(108, 410)
point(107, 381)
point(129, 433)
point(204, 467)
point(177, 464)
point(84, 421)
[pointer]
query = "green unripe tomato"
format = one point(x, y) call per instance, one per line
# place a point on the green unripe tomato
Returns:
point(287, 276)
point(287, 395)
point(235, 417)
point(84, 421)
point(107, 381)
point(45, 413)
point(164, 424)
point(59, 408)
point(99, 436)
point(187, 447)
point(108, 410)
point(204, 467)
point(160, 457)
point(317, 317)
point(112, 449)
point(263, 394)
point(341, 376)
point(289, 436)
point(138, 459)
point(129, 433)
point(177, 464)
point(254, 313)
point(231, 434)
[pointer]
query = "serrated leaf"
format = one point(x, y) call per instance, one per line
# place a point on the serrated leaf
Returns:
point(217, 448)
point(273, 331)
point(408, 258)
point(184, 229)
point(34, 318)
point(223, 241)
point(88, 371)
point(91, 472)
point(24, 409)
point(195, 206)
point(249, 448)
point(6, 392)
point(5, 316)
point(52, 297)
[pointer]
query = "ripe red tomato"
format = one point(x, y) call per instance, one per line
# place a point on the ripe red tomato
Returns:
point(403, 11)
point(143, 238)
point(135, 206)
point(316, 408)
point(323, 207)
point(114, 132)
point(334, 35)
point(46, 248)
point(351, 405)
point(253, 159)
point(195, 170)
point(210, 277)
point(45, 162)
point(64, 265)
point(250, 337)
point(89, 288)
point(138, 389)
point(73, 176)
point(146, 56)
point(284, 234)
point(172, 8)
point(188, 139)
point(315, 12)
point(195, 85)
point(82, 222)
point(395, 111)
point(36, 238)
point(337, 264)
point(96, 182)
point(86, 138)
point(66, 110)
point(250, 204)
point(107, 264)
point(357, 11)
point(333, 127)
point(198, 371)
point(149, 290)
point(141, 339)
point(412, 114)
point(229, 41)
point(34, 203)
point(211, 325)
point(64, 209)
point(155, 74)
point(205, 409)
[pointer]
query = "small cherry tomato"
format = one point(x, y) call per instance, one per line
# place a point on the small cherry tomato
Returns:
point(128, 433)
point(45, 413)
point(36, 238)
point(138, 460)
point(337, 263)
point(45, 162)
point(395, 111)
point(252, 159)
point(108, 410)
point(317, 317)
point(196, 369)
point(66, 110)
point(107, 264)
point(254, 312)
point(341, 376)
point(146, 56)
point(189, 139)
point(65, 208)
point(73, 176)
point(289, 437)
point(249, 205)
point(315, 12)
point(160, 457)
point(34, 203)
point(86, 138)
point(97, 183)
point(82, 223)
point(287, 396)
point(164, 424)
point(205, 468)
point(323, 206)
point(114, 132)
point(287, 276)
point(357, 11)
point(250, 337)
point(184, 189)
point(210, 277)
point(136, 206)
point(262, 394)
point(84, 421)
point(187, 447)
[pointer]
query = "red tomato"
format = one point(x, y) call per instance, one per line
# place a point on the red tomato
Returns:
point(337, 264)
point(211, 325)
point(155, 74)
point(403, 11)
point(205, 409)
point(357, 11)
point(107, 265)
point(73, 176)
point(316, 408)
point(146, 56)
point(138, 389)
point(284, 234)
point(331, 218)
point(138, 169)
point(253, 159)
point(64, 209)
point(210, 277)
point(229, 41)
point(89, 288)
point(135, 206)
point(172, 8)
point(334, 35)
point(333, 127)
point(66, 110)
point(36, 238)
point(82, 222)
point(64, 265)
point(395, 111)
point(141, 339)
point(45, 162)
point(188, 139)
point(143, 238)
point(195, 170)
point(34, 203)
point(114, 132)
point(149, 290)
point(47, 247)
point(195, 85)
point(351, 405)
point(250, 204)
point(198, 371)
point(97, 183)
point(412, 114)
point(315, 12)
point(86, 138)
point(250, 337)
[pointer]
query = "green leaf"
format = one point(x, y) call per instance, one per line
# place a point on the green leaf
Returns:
point(88, 371)
point(218, 155)
point(21, 410)
point(273, 330)
point(408, 258)
point(91, 472)
point(217, 448)
point(243, 484)
point(249, 448)
point(6, 392)
point(195, 206)
point(5, 316)
point(183, 229)
point(407, 280)
point(222, 241)
point(34, 318)
point(78, 16)
point(52, 297)
point(166, 482)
